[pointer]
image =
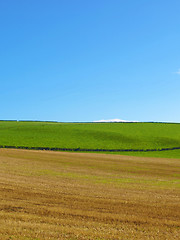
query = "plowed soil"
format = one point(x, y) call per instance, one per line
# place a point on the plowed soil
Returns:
point(54, 195)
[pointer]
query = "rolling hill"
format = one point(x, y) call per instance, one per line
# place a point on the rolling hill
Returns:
point(91, 136)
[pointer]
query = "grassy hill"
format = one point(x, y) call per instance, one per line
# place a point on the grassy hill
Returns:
point(92, 135)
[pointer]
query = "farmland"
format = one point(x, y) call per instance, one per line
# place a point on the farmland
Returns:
point(80, 196)
point(61, 195)
point(93, 136)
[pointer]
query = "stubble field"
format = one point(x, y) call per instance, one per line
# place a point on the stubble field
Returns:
point(54, 195)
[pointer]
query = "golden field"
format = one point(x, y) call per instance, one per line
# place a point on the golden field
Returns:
point(55, 195)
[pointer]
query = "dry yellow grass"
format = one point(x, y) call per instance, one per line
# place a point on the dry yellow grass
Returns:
point(54, 195)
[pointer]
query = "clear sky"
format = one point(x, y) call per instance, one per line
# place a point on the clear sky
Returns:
point(78, 60)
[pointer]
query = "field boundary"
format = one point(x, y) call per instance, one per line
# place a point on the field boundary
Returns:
point(89, 150)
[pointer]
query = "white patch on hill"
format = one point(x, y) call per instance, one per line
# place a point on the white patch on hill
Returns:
point(114, 120)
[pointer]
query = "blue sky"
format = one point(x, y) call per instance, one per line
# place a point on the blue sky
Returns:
point(76, 60)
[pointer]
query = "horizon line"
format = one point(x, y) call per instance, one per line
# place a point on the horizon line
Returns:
point(55, 121)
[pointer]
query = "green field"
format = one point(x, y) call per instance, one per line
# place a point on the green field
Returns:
point(93, 136)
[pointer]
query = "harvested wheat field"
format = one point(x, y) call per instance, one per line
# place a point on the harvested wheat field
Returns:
point(55, 195)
